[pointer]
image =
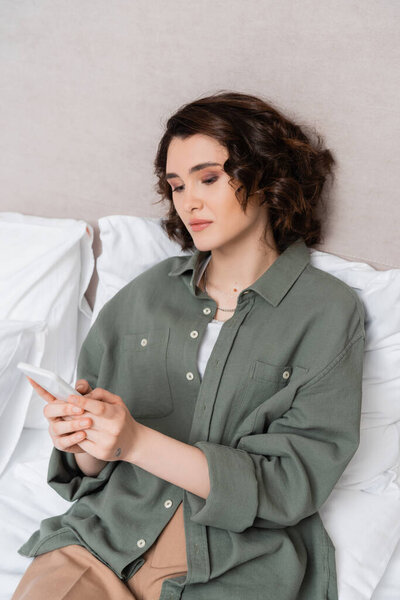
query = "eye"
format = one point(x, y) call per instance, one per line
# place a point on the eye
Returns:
point(211, 180)
point(207, 181)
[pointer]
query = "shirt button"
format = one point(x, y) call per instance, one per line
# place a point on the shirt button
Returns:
point(144, 342)
point(286, 374)
point(189, 376)
point(141, 543)
point(168, 503)
point(207, 310)
point(194, 334)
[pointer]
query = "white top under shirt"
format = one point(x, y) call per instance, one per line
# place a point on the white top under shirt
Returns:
point(211, 334)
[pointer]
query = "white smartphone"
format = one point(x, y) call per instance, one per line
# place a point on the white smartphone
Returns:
point(49, 381)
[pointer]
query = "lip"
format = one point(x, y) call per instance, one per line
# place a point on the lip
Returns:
point(199, 221)
point(199, 225)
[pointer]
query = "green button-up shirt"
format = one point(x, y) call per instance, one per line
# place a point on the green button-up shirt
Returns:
point(277, 415)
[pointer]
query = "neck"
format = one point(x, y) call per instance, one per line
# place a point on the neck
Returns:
point(231, 272)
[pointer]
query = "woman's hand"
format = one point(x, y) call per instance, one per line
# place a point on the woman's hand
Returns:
point(114, 431)
point(64, 424)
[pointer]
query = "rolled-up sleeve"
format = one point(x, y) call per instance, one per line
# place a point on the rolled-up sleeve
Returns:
point(276, 479)
point(66, 478)
point(63, 474)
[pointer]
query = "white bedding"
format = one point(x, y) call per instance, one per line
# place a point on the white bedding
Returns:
point(25, 499)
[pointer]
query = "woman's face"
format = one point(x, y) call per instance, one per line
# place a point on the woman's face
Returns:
point(203, 192)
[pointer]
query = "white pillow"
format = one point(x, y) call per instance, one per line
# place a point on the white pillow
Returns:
point(130, 245)
point(365, 529)
point(19, 341)
point(45, 268)
point(375, 465)
point(389, 586)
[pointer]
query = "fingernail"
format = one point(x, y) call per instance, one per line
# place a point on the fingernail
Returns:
point(80, 387)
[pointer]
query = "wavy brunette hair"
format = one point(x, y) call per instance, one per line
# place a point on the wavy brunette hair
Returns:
point(268, 154)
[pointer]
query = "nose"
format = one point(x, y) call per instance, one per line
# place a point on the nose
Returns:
point(190, 200)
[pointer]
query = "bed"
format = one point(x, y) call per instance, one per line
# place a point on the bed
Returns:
point(86, 90)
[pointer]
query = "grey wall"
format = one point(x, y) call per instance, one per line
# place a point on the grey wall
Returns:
point(87, 85)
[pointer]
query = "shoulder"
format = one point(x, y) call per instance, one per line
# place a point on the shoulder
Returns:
point(154, 281)
point(329, 295)
point(326, 283)
point(153, 273)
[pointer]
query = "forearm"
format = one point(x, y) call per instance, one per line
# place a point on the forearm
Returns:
point(179, 463)
point(89, 465)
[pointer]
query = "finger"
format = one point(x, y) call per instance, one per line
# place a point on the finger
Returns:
point(97, 436)
point(76, 416)
point(87, 445)
point(82, 386)
point(88, 404)
point(67, 441)
point(75, 449)
point(95, 402)
point(59, 408)
point(92, 443)
point(41, 391)
point(98, 424)
point(62, 427)
point(106, 396)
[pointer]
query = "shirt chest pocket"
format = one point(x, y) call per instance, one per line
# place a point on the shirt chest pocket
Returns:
point(266, 379)
point(143, 377)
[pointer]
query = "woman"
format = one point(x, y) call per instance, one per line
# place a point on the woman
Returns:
point(227, 386)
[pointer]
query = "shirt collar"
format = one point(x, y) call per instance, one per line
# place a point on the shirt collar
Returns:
point(272, 285)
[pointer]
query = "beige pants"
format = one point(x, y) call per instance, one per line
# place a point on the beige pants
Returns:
point(73, 573)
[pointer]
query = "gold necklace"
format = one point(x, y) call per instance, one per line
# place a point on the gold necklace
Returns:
point(219, 308)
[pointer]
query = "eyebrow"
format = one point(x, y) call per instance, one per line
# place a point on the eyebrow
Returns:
point(195, 168)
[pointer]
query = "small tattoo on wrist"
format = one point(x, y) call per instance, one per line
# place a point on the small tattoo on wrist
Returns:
point(118, 452)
